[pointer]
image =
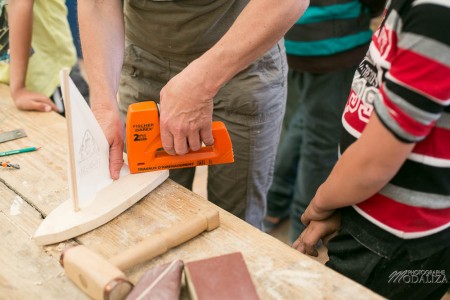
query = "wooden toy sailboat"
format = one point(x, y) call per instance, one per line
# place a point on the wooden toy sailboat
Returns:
point(95, 198)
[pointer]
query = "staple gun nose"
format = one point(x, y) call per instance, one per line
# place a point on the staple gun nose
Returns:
point(144, 147)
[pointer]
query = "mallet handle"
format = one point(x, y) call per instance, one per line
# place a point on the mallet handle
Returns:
point(165, 240)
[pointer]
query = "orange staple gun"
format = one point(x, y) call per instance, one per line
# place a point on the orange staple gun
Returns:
point(144, 148)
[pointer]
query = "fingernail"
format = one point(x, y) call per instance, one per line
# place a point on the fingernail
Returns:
point(48, 108)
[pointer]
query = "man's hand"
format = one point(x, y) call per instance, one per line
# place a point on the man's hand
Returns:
point(316, 230)
point(186, 112)
point(27, 100)
point(111, 123)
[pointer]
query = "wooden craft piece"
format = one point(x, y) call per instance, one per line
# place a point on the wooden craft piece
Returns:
point(224, 277)
point(162, 282)
point(64, 223)
point(95, 198)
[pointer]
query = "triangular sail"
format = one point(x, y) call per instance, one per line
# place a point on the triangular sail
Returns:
point(88, 148)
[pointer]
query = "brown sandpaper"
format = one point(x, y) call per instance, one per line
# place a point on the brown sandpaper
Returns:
point(219, 278)
point(160, 283)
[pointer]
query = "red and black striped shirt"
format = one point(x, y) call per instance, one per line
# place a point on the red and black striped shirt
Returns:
point(405, 80)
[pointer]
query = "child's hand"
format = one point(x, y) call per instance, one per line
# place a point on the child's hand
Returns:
point(316, 230)
point(27, 100)
point(315, 213)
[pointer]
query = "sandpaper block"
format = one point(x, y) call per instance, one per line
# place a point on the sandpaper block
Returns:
point(219, 278)
point(160, 283)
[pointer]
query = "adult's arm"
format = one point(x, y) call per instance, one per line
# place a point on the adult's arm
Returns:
point(362, 170)
point(20, 18)
point(102, 39)
point(186, 101)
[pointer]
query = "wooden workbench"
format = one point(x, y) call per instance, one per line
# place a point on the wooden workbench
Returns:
point(27, 195)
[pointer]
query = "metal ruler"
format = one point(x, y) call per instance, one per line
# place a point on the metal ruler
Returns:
point(12, 135)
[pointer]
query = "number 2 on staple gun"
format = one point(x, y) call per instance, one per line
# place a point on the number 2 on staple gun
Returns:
point(144, 147)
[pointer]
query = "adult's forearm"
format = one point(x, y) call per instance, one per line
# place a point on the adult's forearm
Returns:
point(20, 18)
point(260, 25)
point(102, 40)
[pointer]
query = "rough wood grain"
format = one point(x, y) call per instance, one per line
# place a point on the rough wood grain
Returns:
point(42, 179)
point(27, 270)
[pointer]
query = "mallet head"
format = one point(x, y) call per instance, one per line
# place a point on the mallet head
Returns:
point(93, 274)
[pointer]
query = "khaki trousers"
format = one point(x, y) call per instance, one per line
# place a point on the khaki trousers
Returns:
point(251, 105)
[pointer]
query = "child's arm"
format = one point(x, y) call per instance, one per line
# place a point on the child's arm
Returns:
point(20, 18)
point(364, 168)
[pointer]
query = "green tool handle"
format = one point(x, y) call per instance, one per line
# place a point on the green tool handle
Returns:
point(23, 150)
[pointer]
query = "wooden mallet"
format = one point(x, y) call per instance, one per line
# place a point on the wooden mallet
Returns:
point(103, 279)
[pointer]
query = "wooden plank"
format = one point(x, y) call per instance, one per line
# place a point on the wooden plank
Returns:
point(28, 271)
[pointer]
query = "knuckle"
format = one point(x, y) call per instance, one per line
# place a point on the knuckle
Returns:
point(195, 147)
point(182, 152)
point(208, 141)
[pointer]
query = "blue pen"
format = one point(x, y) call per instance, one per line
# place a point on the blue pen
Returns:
point(23, 150)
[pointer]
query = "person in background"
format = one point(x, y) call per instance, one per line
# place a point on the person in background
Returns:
point(72, 17)
point(389, 192)
point(4, 32)
point(324, 48)
point(201, 60)
point(40, 45)
point(77, 73)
